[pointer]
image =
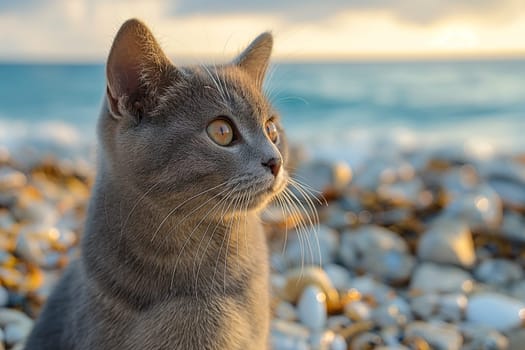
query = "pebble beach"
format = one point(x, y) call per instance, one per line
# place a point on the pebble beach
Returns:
point(420, 249)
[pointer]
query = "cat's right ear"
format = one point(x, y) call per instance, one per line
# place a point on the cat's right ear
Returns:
point(135, 70)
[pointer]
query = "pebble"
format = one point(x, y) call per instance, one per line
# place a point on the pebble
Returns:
point(513, 226)
point(11, 179)
point(498, 272)
point(404, 193)
point(447, 242)
point(286, 311)
point(314, 247)
point(326, 177)
point(366, 341)
point(339, 276)
point(4, 296)
point(311, 308)
point(497, 311)
point(357, 243)
point(297, 280)
point(390, 266)
point(401, 241)
point(430, 277)
point(479, 207)
point(441, 336)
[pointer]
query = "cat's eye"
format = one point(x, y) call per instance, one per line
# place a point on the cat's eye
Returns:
point(271, 131)
point(220, 131)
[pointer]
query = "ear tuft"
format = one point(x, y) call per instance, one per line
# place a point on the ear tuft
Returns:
point(255, 58)
point(134, 69)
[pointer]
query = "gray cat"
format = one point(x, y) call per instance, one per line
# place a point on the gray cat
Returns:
point(174, 255)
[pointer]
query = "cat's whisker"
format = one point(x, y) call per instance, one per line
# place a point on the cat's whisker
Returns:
point(189, 238)
point(301, 226)
point(186, 201)
point(229, 234)
point(133, 210)
point(316, 194)
point(223, 202)
point(225, 208)
point(314, 226)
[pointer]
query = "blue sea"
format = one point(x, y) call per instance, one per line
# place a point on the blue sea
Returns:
point(338, 110)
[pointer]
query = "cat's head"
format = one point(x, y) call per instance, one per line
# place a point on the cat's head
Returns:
point(203, 133)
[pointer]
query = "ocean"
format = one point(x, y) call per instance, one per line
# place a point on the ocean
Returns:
point(336, 110)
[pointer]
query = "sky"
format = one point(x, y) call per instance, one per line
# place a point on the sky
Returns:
point(82, 30)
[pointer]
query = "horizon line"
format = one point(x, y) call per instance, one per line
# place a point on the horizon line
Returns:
point(350, 58)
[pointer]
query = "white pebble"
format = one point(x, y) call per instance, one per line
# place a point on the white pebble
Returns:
point(495, 310)
point(312, 308)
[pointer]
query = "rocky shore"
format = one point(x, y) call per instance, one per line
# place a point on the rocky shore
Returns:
point(411, 250)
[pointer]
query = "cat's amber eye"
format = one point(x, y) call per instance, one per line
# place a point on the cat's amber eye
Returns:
point(220, 131)
point(271, 131)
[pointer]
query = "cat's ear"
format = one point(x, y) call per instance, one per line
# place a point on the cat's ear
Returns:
point(135, 70)
point(255, 58)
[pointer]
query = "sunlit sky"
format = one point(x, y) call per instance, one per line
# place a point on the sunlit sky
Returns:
point(82, 30)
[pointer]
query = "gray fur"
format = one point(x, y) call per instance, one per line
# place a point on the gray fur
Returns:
point(173, 255)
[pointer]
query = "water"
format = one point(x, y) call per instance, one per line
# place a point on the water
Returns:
point(331, 108)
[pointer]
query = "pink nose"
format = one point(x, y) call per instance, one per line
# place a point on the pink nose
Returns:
point(274, 164)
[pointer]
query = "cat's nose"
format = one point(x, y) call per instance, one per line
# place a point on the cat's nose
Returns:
point(274, 164)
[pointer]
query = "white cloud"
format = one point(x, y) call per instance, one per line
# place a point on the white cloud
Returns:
point(84, 29)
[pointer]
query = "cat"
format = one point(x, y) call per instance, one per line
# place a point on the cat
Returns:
point(173, 254)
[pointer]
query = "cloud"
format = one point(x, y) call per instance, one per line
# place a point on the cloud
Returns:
point(80, 30)
point(416, 11)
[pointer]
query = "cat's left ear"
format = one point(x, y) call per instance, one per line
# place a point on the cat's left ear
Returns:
point(255, 58)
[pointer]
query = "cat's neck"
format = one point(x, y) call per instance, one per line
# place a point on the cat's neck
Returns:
point(132, 246)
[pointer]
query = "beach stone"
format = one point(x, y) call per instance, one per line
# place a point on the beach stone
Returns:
point(394, 313)
point(430, 277)
point(391, 336)
point(286, 311)
point(297, 280)
point(498, 272)
point(425, 306)
point(16, 325)
point(11, 179)
point(369, 286)
point(451, 307)
point(448, 242)
point(6, 220)
point(288, 335)
point(459, 180)
point(383, 170)
point(488, 340)
point(494, 310)
point(441, 336)
point(323, 176)
point(479, 207)
point(516, 339)
point(358, 311)
point(402, 193)
point(326, 340)
point(38, 212)
point(4, 296)
point(337, 322)
point(358, 243)
point(517, 290)
point(510, 190)
point(338, 343)
point(365, 341)
point(314, 247)
point(311, 308)
point(339, 276)
point(390, 266)
point(513, 226)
